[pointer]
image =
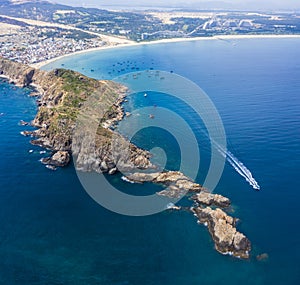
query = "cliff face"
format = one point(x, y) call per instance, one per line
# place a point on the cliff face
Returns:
point(20, 74)
point(62, 94)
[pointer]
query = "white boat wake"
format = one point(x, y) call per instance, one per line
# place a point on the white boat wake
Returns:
point(238, 166)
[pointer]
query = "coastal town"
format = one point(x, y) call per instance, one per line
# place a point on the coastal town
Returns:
point(35, 44)
point(36, 32)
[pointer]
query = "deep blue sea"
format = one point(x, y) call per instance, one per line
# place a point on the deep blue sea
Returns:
point(52, 232)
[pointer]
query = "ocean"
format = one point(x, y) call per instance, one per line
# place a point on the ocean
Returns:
point(52, 232)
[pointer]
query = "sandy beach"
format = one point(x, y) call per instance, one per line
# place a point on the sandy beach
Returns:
point(125, 43)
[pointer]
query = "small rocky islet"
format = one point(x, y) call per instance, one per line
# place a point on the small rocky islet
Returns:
point(61, 94)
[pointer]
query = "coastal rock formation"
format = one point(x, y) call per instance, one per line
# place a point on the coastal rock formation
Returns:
point(59, 159)
point(62, 94)
point(23, 123)
point(221, 226)
point(19, 74)
point(209, 199)
point(106, 156)
point(177, 183)
point(27, 133)
point(222, 229)
point(262, 257)
point(77, 114)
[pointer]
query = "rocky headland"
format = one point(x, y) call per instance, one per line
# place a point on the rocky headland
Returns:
point(208, 208)
point(222, 228)
point(61, 94)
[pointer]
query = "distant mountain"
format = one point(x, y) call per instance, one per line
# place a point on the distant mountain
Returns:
point(20, 1)
point(210, 5)
point(17, 2)
point(242, 5)
point(31, 9)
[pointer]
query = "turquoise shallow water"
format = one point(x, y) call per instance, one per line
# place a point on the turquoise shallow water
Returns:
point(53, 233)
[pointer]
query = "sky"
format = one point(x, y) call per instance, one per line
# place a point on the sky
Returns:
point(199, 4)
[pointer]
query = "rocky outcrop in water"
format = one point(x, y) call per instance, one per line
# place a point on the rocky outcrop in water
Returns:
point(177, 183)
point(222, 227)
point(262, 257)
point(58, 159)
point(223, 231)
point(209, 199)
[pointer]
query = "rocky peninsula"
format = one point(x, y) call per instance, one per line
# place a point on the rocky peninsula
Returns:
point(208, 208)
point(60, 95)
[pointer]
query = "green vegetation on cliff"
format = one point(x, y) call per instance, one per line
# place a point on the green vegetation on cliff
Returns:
point(61, 104)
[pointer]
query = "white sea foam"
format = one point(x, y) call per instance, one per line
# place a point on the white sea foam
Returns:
point(238, 166)
point(170, 205)
point(126, 179)
point(51, 167)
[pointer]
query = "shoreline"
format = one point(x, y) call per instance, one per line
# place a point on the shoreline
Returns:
point(173, 40)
